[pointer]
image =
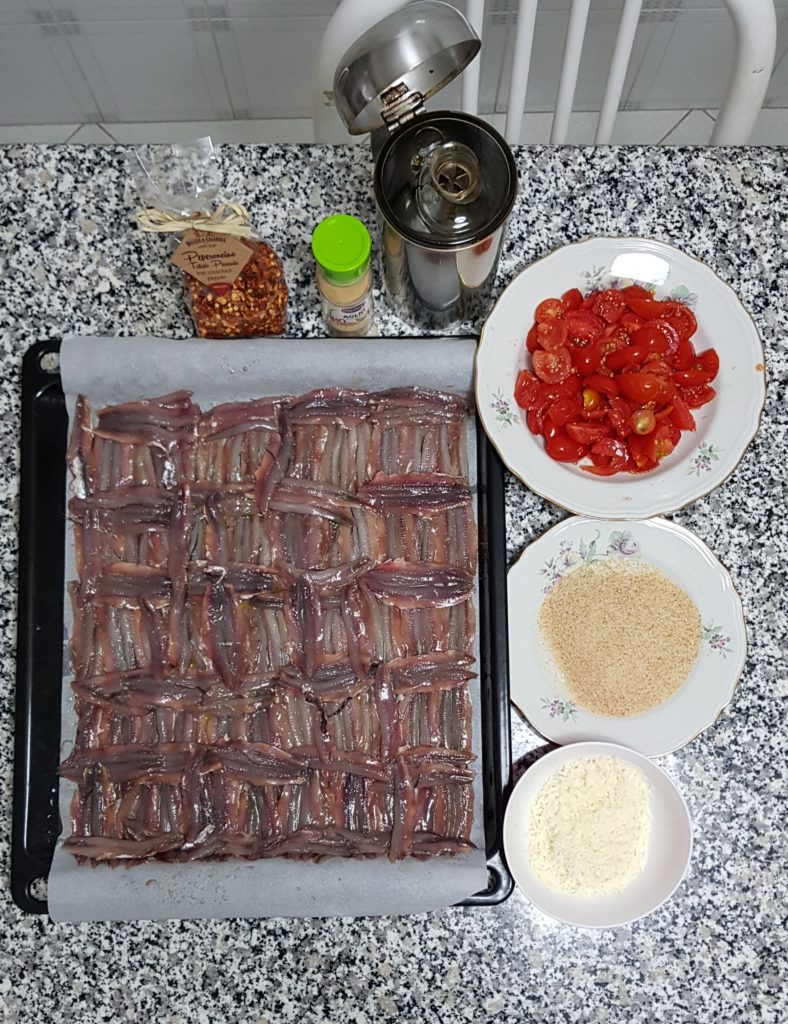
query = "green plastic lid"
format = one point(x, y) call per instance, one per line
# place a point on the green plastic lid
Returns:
point(341, 246)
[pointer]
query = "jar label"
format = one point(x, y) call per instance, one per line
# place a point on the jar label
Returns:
point(211, 257)
point(351, 315)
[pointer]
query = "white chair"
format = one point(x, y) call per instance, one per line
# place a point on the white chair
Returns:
point(754, 23)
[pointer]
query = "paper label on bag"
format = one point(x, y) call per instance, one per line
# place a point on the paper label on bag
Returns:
point(211, 257)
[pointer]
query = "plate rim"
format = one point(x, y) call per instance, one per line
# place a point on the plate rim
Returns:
point(655, 509)
point(730, 587)
point(629, 751)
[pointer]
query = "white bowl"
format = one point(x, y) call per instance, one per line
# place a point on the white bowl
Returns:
point(536, 687)
point(667, 858)
point(703, 459)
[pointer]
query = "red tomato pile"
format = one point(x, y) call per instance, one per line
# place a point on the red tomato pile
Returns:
point(615, 377)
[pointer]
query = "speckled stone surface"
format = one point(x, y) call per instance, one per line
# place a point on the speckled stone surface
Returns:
point(70, 261)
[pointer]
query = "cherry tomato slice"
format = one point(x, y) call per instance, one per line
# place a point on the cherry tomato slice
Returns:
point(619, 412)
point(532, 339)
point(613, 449)
point(640, 449)
point(549, 309)
point(573, 299)
point(696, 397)
point(641, 387)
point(587, 433)
point(647, 307)
point(684, 356)
point(681, 415)
point(562, 411)
point(586, 360)
point(610, 306)
point(551, 334)
point(563, 449)
point(710, 362)
point(552, 367)
point(681, 317)
point(657, 336)
point(533, 421)
point(584, 325)
point(632, 354)
point(635, 291)
point(631, 321)
point(527, 390)
point(571, 386)
point(693, 378)
point(607, 385)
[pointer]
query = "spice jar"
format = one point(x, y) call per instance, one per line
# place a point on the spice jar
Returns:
point(341, 246)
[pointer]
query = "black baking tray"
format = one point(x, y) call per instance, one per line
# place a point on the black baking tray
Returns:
point(36, 819)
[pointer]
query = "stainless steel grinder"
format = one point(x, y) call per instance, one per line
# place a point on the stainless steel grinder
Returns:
point(445, 182)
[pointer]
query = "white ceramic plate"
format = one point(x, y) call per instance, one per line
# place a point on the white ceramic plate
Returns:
point(536, 687)
point(667, 859)
point(703, 459)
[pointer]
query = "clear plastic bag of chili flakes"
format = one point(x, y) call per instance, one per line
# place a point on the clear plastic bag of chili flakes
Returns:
point(234, 282)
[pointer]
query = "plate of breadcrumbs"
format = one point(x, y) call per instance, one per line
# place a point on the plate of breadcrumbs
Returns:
point(627, 631)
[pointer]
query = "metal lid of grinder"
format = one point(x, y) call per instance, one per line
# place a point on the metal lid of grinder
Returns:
point(444, 180)
point(390, 70)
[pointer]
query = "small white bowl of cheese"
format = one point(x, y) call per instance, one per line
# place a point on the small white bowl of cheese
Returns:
point(596, 835)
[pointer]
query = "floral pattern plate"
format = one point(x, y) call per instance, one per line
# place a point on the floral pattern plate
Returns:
point(725, 427)
point(536, 687)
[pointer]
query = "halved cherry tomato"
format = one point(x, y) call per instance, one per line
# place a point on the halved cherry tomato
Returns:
point(619, 413)
point(640, 449)
point(681, 317)
point(610, 306)
point(657, 336)
point(562, 411)
point(640, 387)
point(592, 399)
point(527, 390)
point(614, 449)
point(644, 305)
point(551, 334)
point(631, 321)
point(548, 310)
point(532, 339)
point(626, 357)
point(607, 385)
point(643, 421)
point(696, 397)
point(571, 386)
point(552, 367)
point(533, 421)
point(587, 433)
point(635, 291)
point(710, 362)
point(573, 299)
point(684, 356)
point(586, 359)
point(681, 414)
point(692, 378)
point(584, 325)
point(661, 442)
point(563, 449)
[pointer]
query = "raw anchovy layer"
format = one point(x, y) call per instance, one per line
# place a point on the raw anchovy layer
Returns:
point(273, 628)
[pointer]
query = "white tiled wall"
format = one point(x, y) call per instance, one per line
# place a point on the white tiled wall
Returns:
point(115, 61)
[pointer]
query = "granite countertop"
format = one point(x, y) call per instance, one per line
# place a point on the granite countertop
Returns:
point(71, 262)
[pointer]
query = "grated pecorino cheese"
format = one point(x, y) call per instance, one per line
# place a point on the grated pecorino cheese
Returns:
point(589, 827)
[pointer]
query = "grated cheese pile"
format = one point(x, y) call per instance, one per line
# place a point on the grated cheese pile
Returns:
point(589, 826)
point(623, 636)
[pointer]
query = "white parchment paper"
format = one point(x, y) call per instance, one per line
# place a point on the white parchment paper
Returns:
point(112, 370)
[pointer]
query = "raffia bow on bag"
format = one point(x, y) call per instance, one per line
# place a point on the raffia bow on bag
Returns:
point(226, 219)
